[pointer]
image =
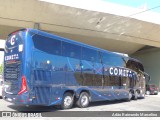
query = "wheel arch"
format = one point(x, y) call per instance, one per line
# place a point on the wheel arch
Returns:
point(70, 91)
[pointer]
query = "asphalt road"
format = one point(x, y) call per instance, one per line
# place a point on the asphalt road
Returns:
point(150, 103)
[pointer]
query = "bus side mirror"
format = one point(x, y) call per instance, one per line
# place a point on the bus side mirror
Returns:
point(149, 78)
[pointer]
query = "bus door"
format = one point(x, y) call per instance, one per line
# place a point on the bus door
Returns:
point(119, 75)
point(121, 87)
point(133, 81)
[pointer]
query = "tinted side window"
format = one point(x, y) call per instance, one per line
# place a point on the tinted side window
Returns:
point(48, 45)
point(90, 55)
point(113, 60)
point(105, 57)
point(71, 50)
point(119, 61)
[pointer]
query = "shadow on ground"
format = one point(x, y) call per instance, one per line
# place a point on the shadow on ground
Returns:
point(21, 108)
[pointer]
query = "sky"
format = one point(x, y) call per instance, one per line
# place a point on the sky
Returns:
point(138, 3)
point(131, 3)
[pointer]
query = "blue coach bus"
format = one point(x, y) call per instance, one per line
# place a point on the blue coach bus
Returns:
point(45, 69)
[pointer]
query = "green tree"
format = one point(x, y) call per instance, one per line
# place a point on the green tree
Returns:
point(1, 68)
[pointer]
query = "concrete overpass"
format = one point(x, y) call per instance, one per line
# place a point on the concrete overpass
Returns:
point(124, 31)
point(112, 32)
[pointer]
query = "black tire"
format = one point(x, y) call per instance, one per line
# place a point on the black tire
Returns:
point(67, 101)
point(156, 93)
point(83, 100)
point(135, 97)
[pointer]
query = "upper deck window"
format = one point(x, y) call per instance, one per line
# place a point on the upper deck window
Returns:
point(90, 55)
point(71, 50)
point(113, 60)
point(48, 45)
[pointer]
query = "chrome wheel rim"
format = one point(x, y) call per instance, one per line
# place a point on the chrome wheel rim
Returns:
point(67, 101)
point(84, 100)
point(130, 95)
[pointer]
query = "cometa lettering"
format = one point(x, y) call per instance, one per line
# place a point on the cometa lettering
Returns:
point(120, 72)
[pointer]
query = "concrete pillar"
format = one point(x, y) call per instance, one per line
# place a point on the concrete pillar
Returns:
point(2, 44)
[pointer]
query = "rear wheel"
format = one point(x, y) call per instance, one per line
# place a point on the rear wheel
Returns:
point(67, 101)
point(83, 100)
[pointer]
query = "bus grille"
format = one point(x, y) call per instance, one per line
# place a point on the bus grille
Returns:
point(11, 71)
point(42, 95)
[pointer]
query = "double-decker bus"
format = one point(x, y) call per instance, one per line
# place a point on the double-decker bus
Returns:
point(46, 69)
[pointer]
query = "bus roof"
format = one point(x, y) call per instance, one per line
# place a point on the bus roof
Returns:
point(51, 35)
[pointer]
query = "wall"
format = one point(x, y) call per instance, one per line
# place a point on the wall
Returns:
point(2, 42)
point(151, 61)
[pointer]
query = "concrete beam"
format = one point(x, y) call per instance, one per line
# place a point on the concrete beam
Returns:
point(55, 18)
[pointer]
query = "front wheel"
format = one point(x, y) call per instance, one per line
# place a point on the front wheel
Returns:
point(83, 100)
point(129, 96)
point(67, 101)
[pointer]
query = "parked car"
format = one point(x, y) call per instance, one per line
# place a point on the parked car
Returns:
point(151, 89)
